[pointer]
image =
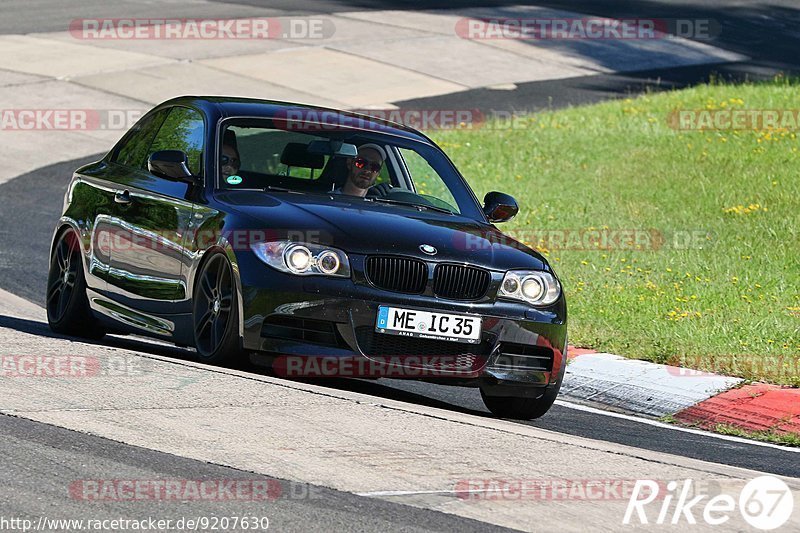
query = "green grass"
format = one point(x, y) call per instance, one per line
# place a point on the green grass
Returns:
point(775, 437)
point(730, 301)
point(787, 439)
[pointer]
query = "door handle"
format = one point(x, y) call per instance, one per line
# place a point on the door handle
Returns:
point(122, 197)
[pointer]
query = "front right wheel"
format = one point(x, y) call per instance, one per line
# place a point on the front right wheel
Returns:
point(215, 312)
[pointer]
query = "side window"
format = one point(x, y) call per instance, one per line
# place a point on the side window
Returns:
point(182, 130)
point(275, 152)
point(133, 153)
point(384, 176)
point(427, 181)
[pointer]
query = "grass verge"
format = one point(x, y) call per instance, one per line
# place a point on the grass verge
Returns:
point(775, 437)
point(708, 274)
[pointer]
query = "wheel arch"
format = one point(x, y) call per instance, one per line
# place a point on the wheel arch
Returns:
point(223, 247)
point(66, 224)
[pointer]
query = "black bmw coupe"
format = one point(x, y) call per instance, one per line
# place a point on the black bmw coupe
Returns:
point(320, 242)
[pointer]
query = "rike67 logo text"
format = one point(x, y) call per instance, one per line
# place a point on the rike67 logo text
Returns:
point(765, 503)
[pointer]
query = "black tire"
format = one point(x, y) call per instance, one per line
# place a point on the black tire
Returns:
point(521, 408)
point(215, 315)
point(68, 311)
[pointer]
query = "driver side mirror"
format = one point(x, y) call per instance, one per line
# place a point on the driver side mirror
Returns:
point(499, 207)
point(172, 165)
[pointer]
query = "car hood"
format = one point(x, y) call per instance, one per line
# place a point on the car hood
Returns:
point(361, 227)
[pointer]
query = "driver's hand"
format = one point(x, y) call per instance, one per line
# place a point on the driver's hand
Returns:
point(381, 189)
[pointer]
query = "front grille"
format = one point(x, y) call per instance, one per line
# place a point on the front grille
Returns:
point(513, 356)
point(459, 282)
point(300, 329)
point(399, 274)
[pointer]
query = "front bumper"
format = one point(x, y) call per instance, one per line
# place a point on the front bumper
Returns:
point(316, 326)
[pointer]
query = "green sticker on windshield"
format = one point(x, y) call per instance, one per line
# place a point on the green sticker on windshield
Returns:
point(234, 180)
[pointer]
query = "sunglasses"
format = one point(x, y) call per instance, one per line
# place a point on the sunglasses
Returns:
point(227, 160)
point(360, 163)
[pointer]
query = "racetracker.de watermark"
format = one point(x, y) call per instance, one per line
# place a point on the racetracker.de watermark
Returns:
point(777, 367)
point(44, 119)
point(312, 120)
point(109, 239)
point(72, 366)
point(172, 29)
point(398, 366)
point(587, 239)
point(189, 490)
point(611, 489)
point(734, 119)
point(585, 28)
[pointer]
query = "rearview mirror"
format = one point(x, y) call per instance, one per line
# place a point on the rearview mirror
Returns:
point(332, 148)
point(499, 207)
point(171, 164)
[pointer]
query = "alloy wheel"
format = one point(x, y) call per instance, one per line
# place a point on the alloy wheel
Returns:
point(213, 305)
point(63, 276)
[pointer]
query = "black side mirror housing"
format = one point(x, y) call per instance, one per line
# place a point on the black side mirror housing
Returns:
point(172, 165)
point(499, 207)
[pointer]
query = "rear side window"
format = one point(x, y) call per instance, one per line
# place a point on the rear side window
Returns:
point(133, 153)
point(265, 151)
point(182, 130)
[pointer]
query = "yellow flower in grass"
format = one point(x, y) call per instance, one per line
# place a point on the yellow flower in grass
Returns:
point(678, 314)
point(743, 210)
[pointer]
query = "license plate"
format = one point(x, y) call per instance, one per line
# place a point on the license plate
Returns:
point(428, 325)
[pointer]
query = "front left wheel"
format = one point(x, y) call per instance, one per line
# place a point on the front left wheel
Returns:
point(215, 313)
point(68, 311)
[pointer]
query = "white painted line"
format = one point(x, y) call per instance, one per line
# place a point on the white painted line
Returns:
point(655, 423)
point(388, 493)
point(384, 493)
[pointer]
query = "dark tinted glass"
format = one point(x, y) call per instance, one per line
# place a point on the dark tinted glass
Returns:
point(182, 130)
point(133, 152)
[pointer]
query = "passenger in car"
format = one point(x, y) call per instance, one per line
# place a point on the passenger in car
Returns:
point(229, 160)
point(363, 170)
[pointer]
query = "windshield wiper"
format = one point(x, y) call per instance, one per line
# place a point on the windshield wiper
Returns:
point(411, 204)
point(282, 189)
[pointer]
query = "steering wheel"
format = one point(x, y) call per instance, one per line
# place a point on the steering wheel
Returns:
point(382, 190)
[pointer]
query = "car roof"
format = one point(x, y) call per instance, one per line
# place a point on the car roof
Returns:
point(220, 107)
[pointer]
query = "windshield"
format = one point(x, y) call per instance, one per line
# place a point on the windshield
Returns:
point(357, 165)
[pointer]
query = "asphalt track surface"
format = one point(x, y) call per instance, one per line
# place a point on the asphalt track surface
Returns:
point(31, 205)
point(37, 458)
point(767, 32)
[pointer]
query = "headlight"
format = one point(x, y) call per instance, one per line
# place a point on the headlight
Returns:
point(303, 259)
point(532, 286)
point(298, 258)
point(328, 262)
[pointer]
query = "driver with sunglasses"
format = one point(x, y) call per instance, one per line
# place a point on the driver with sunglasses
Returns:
point(363, 170)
